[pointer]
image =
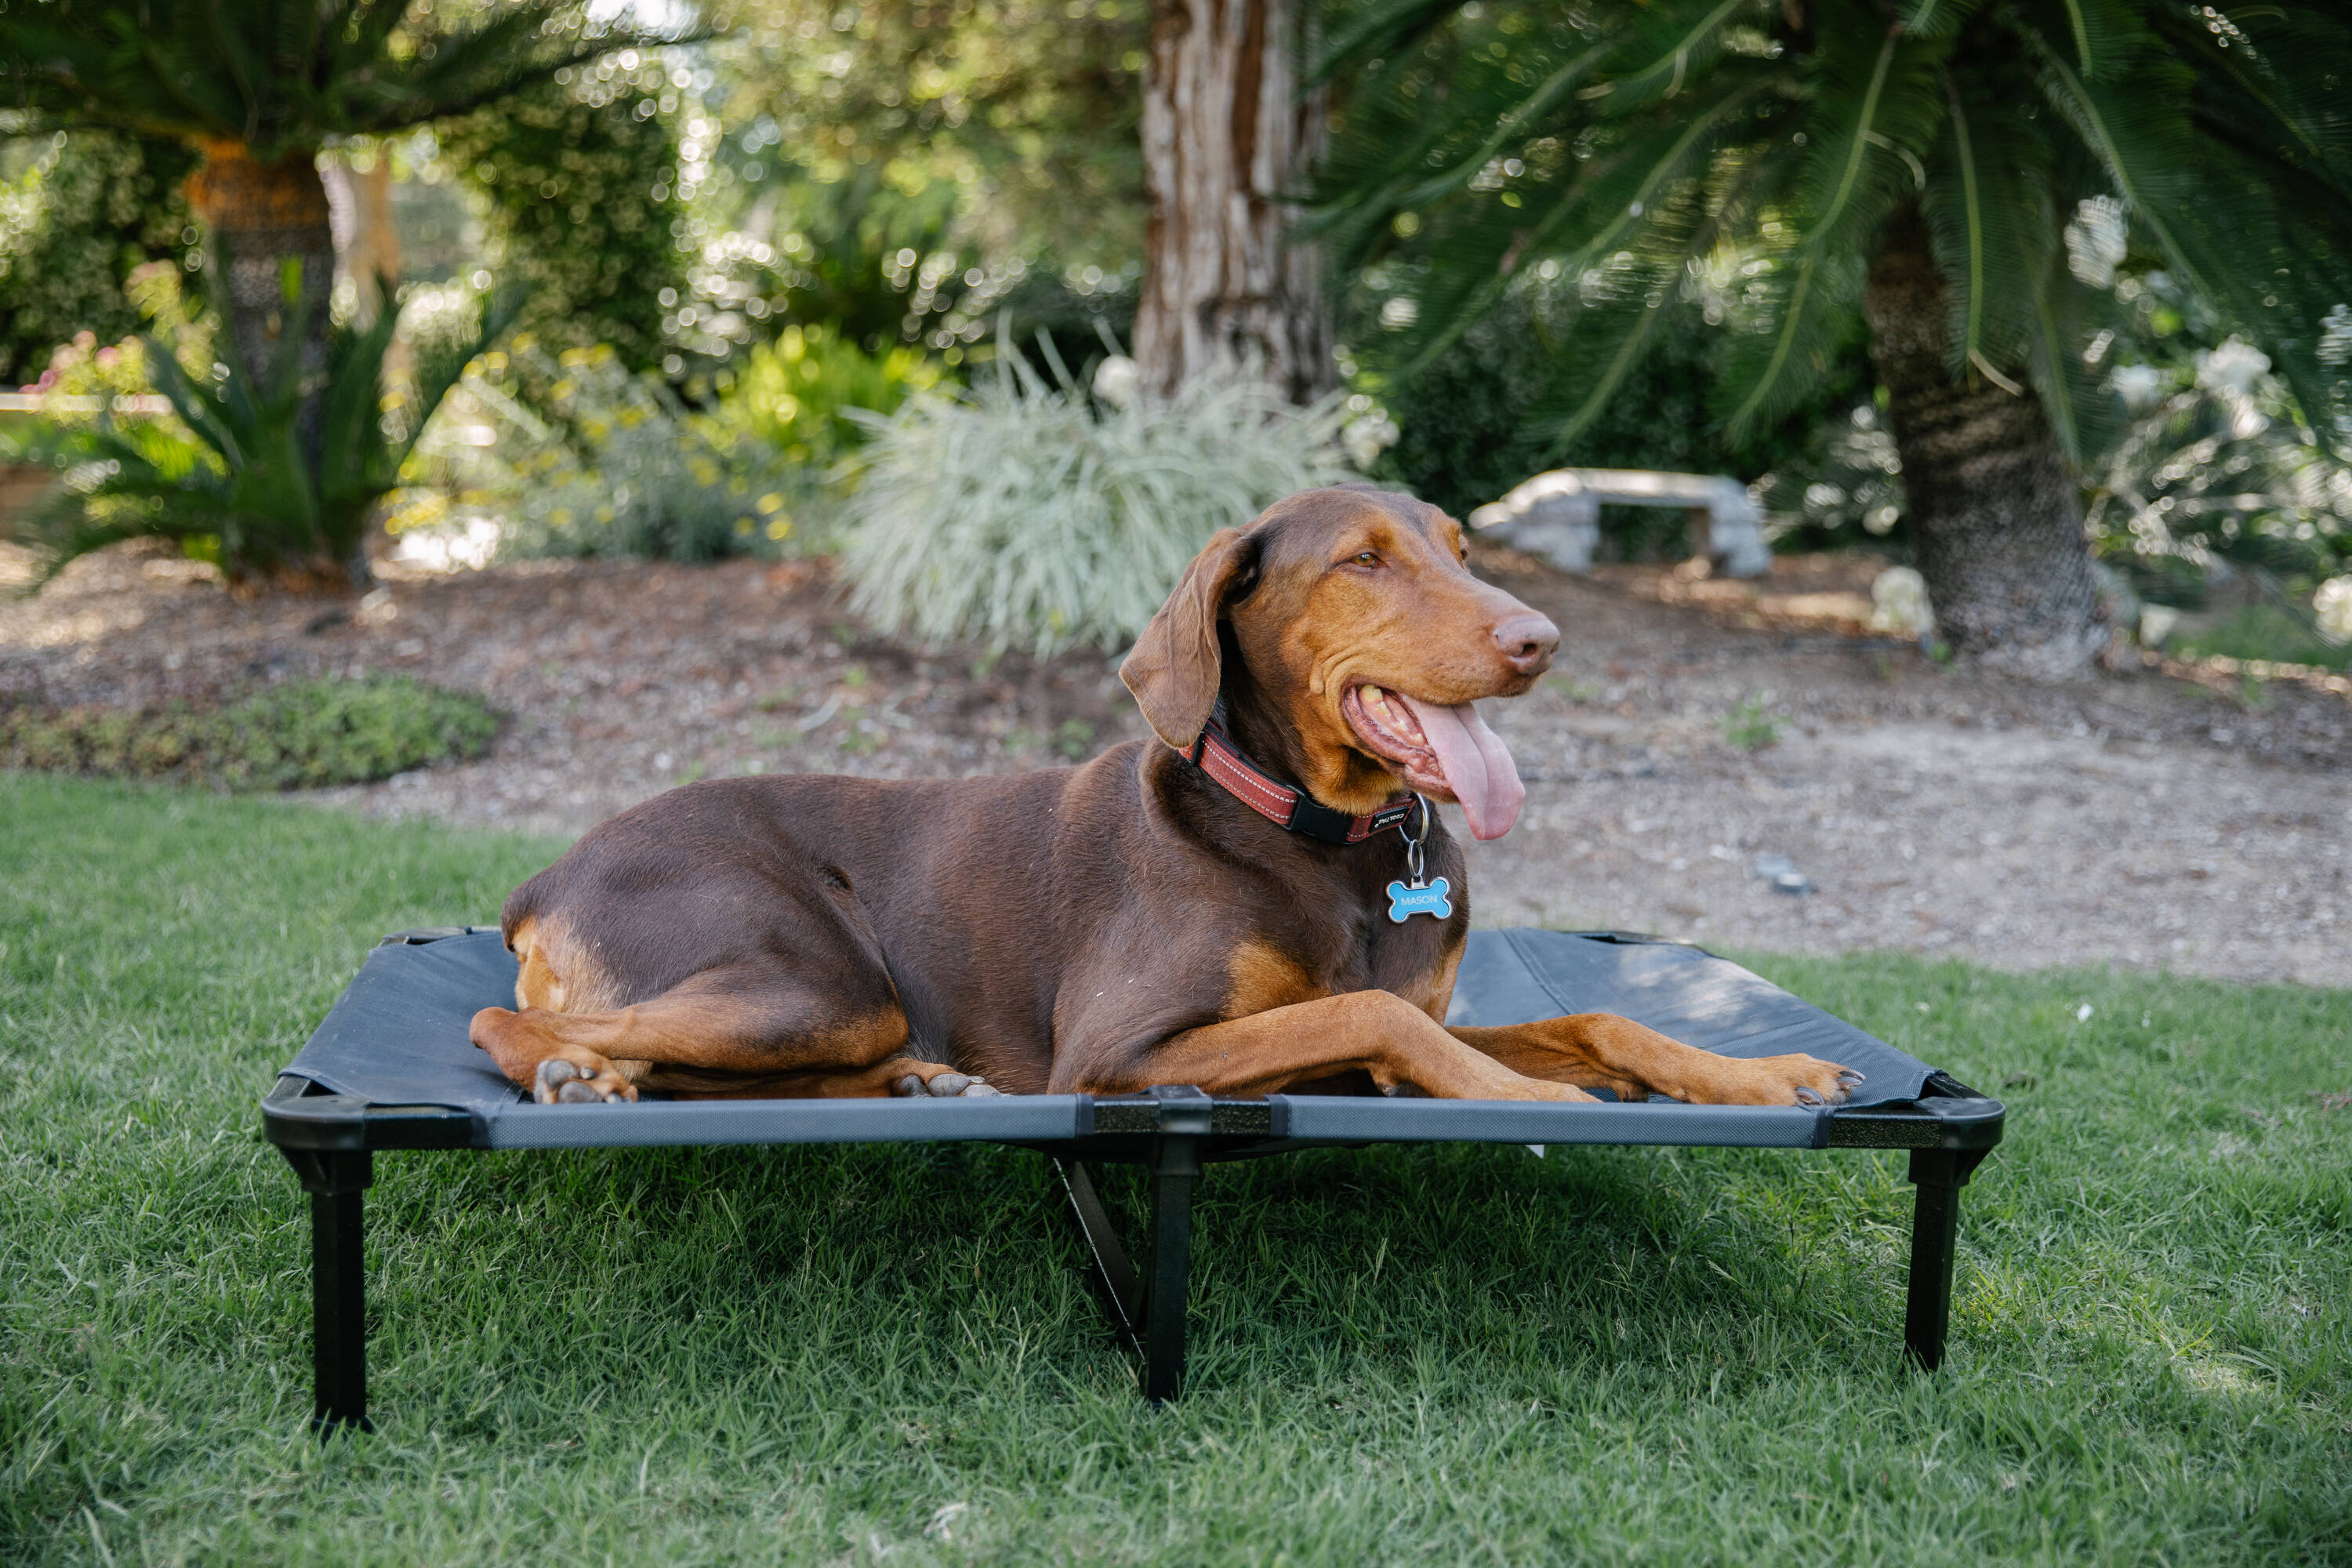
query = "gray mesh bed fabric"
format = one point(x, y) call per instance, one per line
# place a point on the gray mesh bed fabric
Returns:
point(398, 1037)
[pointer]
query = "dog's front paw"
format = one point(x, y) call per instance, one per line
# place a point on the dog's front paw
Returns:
point(560, 1081)
point(1800, 1081)
point(945, 1085)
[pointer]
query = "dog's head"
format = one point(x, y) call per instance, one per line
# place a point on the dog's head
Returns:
point(1351, 611)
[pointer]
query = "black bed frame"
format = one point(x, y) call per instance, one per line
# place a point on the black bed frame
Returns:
point(1174, 1132)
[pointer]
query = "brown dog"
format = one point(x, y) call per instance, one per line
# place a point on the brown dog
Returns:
point(1137, 920)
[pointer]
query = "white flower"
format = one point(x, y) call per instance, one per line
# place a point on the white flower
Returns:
point(1116, 380)
point(2234, 365)
point(2138, 384)
point(1367, 435)
point(2333, 604)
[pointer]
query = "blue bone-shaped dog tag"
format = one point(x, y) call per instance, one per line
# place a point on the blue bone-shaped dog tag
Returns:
point(1405, 902)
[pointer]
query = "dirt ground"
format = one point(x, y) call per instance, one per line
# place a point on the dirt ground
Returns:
point(2194, 820)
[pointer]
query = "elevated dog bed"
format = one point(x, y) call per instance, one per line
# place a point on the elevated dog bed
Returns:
point(390, 1067)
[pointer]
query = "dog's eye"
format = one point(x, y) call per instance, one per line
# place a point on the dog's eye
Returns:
point(1366, 558)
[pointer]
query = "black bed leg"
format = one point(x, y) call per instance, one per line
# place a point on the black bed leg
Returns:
point(1939, 1174)
point(336, 1181)
point(1175, 1167)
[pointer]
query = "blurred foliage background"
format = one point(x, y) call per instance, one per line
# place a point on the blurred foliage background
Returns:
point(80, 212)
point(738, 260)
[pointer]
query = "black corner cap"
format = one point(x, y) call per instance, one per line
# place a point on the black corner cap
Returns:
point(1969, 1122)
point(299, 1114)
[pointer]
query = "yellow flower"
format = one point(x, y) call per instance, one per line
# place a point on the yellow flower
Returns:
point(561, 517)
point(772, 501)
point(779, 528)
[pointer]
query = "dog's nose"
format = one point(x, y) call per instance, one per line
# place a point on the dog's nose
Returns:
point(1527, 642)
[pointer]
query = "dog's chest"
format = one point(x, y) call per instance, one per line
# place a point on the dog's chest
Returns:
point(1344, 944)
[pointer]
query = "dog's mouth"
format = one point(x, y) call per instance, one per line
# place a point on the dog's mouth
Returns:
point(1440, 749)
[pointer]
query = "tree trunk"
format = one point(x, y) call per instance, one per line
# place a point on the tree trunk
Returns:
point(258, 218)
point(1225, 137)
point(1996, 517)
point(272, 244)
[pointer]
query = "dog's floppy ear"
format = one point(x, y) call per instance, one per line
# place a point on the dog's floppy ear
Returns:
point(1174, 667)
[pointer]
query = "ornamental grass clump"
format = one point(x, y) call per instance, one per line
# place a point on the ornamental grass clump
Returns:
point(1026, 514)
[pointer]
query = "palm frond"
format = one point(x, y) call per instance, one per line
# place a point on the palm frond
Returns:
point(1379, 28)
point(1667, 48)
point(1937, 18)
point(1813, 300)
point(1617, 203)
point(1990, 219)
point(2084, 413)
point(2104, 34)
point(1877, 106)
point(276, 76)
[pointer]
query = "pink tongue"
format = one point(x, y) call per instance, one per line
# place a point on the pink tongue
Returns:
point(1476, 764)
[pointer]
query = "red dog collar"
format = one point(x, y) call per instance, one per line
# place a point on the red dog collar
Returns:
point(1287, 806)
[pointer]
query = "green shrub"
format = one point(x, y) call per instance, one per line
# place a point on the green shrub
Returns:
point(1843, 490)
point(301, 734)
point(796, 393)
point(1024, 514)
point(586, 459)
point(84, 212)
point(2220, 466)
point(578, 175)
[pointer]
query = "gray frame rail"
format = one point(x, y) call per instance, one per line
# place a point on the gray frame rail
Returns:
point(1175, 1131)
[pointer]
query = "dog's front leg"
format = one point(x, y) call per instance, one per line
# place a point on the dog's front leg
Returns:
point(1601, 1050)
point(1374, 1032)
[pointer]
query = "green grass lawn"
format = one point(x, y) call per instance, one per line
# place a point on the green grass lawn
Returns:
point(835, 1355)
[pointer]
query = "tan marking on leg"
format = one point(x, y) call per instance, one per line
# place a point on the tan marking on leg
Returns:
point(1262, 977)
point(1601, 1050)
point(1374, 1032)
point(720, 1039)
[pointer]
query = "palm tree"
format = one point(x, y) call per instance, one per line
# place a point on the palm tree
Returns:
point(1961, 175)
point(258, 87)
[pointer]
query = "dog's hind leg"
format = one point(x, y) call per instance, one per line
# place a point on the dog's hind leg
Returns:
point(724, 1032)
